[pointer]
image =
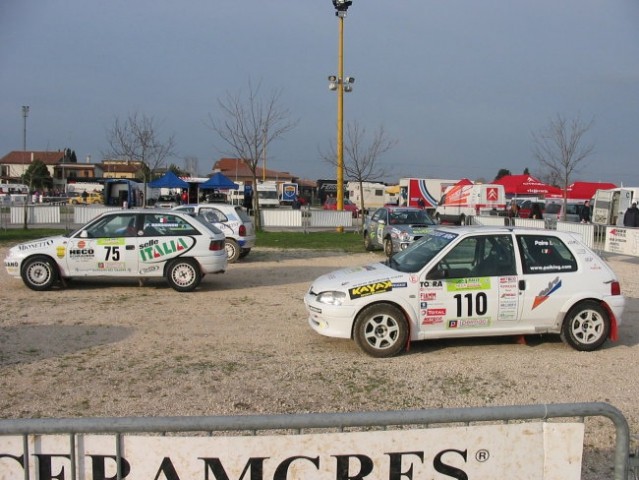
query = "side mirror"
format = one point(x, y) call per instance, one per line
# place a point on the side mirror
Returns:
point(84, 234)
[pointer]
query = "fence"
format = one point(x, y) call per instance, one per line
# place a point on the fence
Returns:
point(81, 214)
point(592, 235)
point(299, 423)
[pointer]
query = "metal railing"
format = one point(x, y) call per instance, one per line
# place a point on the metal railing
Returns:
point(300, 422)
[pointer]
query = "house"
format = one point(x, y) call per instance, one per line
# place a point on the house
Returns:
point(64, 168)
point(238, 171)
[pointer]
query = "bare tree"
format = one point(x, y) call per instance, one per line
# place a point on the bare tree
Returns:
point(361, 160)
point(560, 150)
point(137, 139)
point(247, 125)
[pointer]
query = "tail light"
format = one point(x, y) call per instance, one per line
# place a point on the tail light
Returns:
point(242, 230)
point(216, 245)
point(615, 288)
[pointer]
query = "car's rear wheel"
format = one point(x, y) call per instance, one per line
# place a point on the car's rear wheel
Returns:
point(368, 243)
point(381, 330)
point(39, 273)
point(232, 250)
point(586, 327)
point(388, 247)
point(184, 275)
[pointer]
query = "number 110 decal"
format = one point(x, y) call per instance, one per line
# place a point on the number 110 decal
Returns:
point(474, 306)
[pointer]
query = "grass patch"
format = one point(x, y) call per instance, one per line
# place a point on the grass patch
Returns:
point(347, 241)
point(350, 242)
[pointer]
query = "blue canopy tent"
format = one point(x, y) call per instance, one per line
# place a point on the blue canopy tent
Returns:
point(169, 180)
point(219, 181)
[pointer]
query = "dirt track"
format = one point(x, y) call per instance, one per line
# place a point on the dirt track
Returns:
point(241, 345)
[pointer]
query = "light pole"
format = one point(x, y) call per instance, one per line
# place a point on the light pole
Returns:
point(340, 84)
point(25, 114)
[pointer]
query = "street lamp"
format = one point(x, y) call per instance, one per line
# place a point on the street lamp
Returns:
point(25, 114)
point(340, 84)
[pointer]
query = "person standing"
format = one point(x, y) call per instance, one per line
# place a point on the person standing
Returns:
point(631, 217)
point(584, 213)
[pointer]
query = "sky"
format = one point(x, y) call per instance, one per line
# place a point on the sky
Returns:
point(460, 85)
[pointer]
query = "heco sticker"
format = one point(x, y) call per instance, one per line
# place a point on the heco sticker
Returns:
point(370, 289)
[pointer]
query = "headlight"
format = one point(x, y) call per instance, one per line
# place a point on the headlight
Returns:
point(405, 236)
point(331, 298)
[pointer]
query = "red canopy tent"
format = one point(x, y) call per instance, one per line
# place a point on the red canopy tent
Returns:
point(586, 190)
point(526, 185)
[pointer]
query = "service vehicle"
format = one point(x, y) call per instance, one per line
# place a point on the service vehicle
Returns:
point(423, 192)
point(472, 282)
point(368, 196)
point(395, 228)
point(233, 221)
point(609, 206)
point(466, 199)
point(142, 244)
point(267, 194)
point(554, 211)
point(287, 192)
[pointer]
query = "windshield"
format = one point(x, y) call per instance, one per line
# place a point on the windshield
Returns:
point(415, 257)
point(553, 208)
point(410, 217)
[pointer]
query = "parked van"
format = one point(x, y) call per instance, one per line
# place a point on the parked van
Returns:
point(466, 199)
point(554, 211)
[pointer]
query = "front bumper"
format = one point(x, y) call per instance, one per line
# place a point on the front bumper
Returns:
point(329, 320)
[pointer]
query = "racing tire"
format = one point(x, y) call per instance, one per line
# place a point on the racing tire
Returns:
point(244, 252)
point(232, 250)
point(381, 330)
point(462, 220)
point(586, 327)
point(39, 273)
point(388, 247)
point(368, 244)
point(438, 219)
point(184, 275)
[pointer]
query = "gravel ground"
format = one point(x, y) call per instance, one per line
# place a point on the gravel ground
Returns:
point(241, 345)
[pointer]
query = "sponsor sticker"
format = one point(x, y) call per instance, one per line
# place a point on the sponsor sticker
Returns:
point(457, 284)
point(370, 289)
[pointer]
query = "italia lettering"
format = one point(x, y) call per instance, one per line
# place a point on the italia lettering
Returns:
point(400, 466)
point(158, 250)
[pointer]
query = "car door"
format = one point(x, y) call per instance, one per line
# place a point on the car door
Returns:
point(107, 247)
point(379, 221)
point(550, 277)
point(164, 236)
point(473, 287)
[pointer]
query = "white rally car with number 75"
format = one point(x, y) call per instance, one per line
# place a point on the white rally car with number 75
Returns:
point(472, 281)
point(124, 243)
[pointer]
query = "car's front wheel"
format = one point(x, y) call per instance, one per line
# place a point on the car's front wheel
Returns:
point(39, 273)
point(388, 247)
point(586, 327)
point(381, 330)
point(232, 250)
point(184, 275)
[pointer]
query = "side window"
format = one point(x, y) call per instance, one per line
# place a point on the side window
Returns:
point(545, 254)
point(480, 256)
point(114, 226)
point(379, 214)
point(457, 263)
point(165, 225)
point(213, 215)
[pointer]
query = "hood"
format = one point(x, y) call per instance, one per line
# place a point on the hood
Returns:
point(413, 228)
point(348, 278)
point(38, 245)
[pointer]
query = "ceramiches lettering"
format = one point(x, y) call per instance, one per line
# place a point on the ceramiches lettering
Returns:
point(401, 466)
